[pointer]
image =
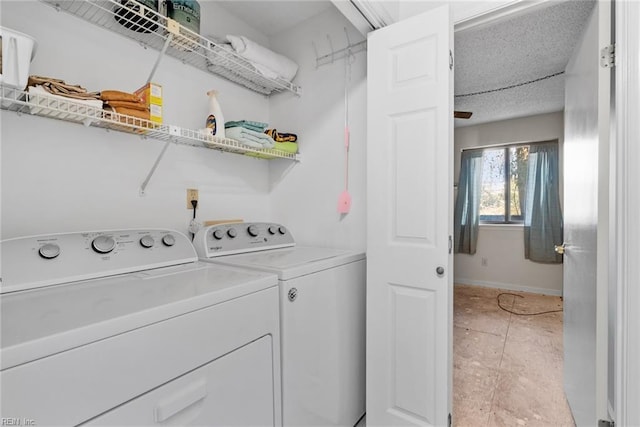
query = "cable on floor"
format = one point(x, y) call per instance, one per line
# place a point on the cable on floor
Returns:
point(521, 314)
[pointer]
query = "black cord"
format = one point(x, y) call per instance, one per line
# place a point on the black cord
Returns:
point(522, 314)
point(194, 203)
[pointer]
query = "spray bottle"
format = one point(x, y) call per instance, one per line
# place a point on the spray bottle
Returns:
point(215, 120)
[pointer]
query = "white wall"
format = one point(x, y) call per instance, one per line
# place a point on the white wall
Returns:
point(306, 197)
point(503, 245)
point(58, 176)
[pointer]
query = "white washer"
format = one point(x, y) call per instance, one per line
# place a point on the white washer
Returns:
point(322, 313)
point(126, 327)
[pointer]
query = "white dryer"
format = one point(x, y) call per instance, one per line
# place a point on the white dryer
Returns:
point(126, 327)
point(322, 317)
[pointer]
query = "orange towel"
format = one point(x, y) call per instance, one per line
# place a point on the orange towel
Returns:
point(116, 95)
point(127, 104)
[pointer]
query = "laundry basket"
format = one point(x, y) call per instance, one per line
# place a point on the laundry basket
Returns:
point(17, 52)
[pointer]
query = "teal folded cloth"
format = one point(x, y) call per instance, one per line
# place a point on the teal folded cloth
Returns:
point(249, 137)
point(247, 124)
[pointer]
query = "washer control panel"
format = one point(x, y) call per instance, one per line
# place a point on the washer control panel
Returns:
point(241, 237)
point(36, 261)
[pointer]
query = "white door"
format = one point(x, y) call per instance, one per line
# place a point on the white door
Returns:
point(409, 199)
point(586, 223)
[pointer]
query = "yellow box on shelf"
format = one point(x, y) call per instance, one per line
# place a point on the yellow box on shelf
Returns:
point(151, 95)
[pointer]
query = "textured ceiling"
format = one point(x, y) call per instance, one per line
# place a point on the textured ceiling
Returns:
point(513, 51)
point(271, 17)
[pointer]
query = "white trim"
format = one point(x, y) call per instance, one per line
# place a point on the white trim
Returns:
point(507, 286)
point(627, 176)
point(499, 13)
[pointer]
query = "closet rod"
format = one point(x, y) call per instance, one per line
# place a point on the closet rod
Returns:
point(340, 53)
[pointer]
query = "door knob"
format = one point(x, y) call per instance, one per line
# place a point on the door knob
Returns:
point(440, 271)
point(559, 249)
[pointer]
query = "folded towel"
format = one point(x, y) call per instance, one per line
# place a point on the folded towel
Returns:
point(268, 62)
point(247, 124)
point(116, 95)
point(60, 88)
point(280, 136)
point(287, 147)
point(126, 104)
point(250, 138)
point(144, 115)
point(130, 124)
point(224, 61)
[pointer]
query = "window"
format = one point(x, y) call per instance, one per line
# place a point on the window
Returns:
point(504, 181)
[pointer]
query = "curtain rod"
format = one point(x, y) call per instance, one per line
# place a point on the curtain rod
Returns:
point(510, 144)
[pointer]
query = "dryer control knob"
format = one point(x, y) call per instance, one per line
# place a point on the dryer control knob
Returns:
point(49, 251)
point(217, 234)
point(253, 231)
point(282, 230)
point(272, 230)
point(169, 240)
point(232, 232)
point(147, 241)
point(103, 244)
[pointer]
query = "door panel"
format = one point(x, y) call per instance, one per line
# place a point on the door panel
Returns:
point(586, 205)
point(409, 159)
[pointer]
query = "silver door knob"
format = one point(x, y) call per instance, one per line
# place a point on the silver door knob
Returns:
point(559, 249)
point(440, 271)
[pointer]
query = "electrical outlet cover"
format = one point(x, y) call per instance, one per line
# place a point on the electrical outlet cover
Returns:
point(192, 194)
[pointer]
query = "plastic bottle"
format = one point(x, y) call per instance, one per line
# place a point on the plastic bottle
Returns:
point(215, 120)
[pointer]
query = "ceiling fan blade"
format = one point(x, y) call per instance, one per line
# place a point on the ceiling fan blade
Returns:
point(462, 114)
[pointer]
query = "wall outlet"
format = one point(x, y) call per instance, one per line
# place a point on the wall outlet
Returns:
point(192, 194)
point(484, 262)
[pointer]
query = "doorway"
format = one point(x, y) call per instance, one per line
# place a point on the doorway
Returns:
point(510, 75)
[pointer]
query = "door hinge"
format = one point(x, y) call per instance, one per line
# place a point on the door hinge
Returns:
point(450, 60)
point(608, 56)
point(450, 243)
point(606, 423)
point(449, 420)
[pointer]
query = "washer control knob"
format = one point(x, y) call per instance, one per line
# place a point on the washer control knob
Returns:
point(103, 244)
point(272, 230)
point(282, 230)
point(217, 234)
point(253, 231)
point(147, 241)
point(49, 250)
point(168, 240)
point(232, 233)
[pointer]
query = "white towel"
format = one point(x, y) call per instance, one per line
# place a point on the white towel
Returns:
point(268, 62)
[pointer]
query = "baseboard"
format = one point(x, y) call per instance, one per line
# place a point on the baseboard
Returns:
point(508, 286)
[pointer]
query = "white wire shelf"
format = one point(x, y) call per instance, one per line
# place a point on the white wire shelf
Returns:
point(72, 111)
point(152, 29)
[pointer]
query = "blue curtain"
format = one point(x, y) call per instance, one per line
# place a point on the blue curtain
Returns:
point(542, 216)
point(466, 214)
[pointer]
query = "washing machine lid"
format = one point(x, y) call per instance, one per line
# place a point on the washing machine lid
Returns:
point(292, 262)
point(39, 322)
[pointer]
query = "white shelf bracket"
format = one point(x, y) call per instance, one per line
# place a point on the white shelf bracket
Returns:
point(144, 184)
point(167, 42)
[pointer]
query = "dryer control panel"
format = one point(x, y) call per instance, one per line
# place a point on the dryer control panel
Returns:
point(241, 237)
point(37, 261)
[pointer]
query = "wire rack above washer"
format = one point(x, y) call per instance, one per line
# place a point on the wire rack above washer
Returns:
point(151, 29)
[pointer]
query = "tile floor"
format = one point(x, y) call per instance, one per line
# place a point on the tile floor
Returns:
point(507, 369)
